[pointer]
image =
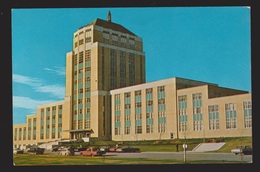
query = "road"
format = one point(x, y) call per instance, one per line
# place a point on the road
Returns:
point(189, 156)
point(179, 156)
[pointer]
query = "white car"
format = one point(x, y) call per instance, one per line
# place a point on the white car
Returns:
point(246, 150)
point(65, 151)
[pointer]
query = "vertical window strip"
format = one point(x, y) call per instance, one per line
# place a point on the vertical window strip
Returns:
point(247, 114)
point(197, 112)
point(182, 112)
point(231, 119)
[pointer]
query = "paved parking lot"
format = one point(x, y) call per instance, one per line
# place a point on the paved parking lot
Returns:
point(176, 155)
point(189, 156)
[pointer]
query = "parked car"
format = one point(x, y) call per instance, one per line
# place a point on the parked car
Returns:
point(78, 149)
point(246, 150)
point(55, 149)
point(18, 151)
point(119, 149)
point(112, 149)
point(105, 148)
point(36, 150)
point(130, 149)
point(65, 151)
point(100, 149)
point(92, 152)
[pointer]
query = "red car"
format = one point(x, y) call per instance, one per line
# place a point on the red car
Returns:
point(112, 149)
point(92, 152)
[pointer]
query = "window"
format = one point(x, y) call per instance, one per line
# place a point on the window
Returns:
point(149, 128)
point(114, 39)
point(138, 129)
point(81, 58)
point(213, 117)
point(127, 130)
point(87, 123)
point(161, 109)
point(131, 43)
point(75, 59)
point(88, 69)
point(131, 68)
point(122, 68)
point(138, 112)
point(197, 112)
point(113, 70)
point(87, 55)
point(231, 115)
point(24, 133)
point(80, 124)
point(80, 90)
point(123, 41)
point(105, 37)
point(247, 114)
point(149, 110)
point(80, 80)
point(88, 39)
point(81, 41)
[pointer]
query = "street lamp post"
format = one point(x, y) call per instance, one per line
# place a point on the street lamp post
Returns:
point(203, 133)
point(122, 138)
point(184, 147)
point(241, 155)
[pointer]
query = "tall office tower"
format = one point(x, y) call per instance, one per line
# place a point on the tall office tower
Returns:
point(105, 56)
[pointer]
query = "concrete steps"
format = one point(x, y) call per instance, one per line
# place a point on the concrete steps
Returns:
point(205, 147)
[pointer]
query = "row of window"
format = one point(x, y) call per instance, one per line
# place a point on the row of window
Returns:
point(79, 59)
point(87, 31)
point(149, 95)
point(115, 34)
point(81, 41)
point(138, 115)
point(198, 125)
point(231, 122)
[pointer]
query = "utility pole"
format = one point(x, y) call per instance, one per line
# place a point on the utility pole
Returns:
point(241, 155)
point(184, 148)
point(203, 133)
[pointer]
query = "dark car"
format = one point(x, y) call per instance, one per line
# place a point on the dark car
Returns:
point(130, 149)
point(36, 150)
point(246, 150)
point(78, 149)
point(55, 149)
point(18, 151)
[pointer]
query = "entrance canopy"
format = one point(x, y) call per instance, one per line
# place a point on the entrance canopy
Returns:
point(79, 134)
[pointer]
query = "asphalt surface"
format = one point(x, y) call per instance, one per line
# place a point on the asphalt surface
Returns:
point(188, 156)
point(177, 155)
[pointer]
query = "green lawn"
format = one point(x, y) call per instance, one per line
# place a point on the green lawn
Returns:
point(48, 160)
point(164, 146)
point(170, 146)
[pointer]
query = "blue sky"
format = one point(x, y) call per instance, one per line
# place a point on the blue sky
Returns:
point(210, 44)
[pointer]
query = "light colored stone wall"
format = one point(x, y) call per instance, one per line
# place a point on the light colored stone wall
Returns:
point(172, 112)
